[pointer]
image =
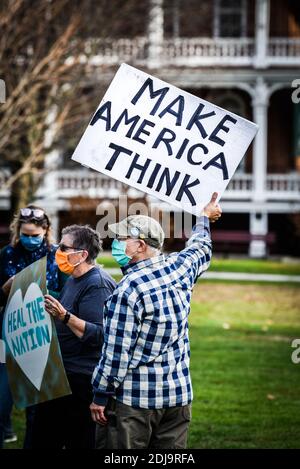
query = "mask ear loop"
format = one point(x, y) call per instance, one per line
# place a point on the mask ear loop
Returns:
point(75, 252)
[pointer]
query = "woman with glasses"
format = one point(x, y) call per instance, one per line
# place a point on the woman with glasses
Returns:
point(78, 313)
point(30, 241)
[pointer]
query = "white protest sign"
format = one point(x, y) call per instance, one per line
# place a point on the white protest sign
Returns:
point(164, 141)
point(28, 332)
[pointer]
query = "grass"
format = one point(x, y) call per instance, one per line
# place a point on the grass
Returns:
point(235, 265)
point(246, 388)
point(255, 266)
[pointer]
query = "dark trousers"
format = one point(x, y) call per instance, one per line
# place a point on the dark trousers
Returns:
point(30, 414)
point(6, 402)
point(66, 422)
point(132, 428)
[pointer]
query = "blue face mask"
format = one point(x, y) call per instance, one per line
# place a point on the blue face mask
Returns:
point(118, 252)
point(31, 242)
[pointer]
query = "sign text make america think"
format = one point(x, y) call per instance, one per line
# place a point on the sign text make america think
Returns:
point(164, 141)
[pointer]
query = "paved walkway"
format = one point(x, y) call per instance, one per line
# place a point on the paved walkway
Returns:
point(240, 276)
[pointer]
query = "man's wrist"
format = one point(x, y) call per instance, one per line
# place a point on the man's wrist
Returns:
point(101, 398)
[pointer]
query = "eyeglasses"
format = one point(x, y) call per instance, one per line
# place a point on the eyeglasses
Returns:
point(36, 213)
point(64, 247)
point(121, 238)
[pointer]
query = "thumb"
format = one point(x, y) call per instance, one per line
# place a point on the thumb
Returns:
point(214, 197)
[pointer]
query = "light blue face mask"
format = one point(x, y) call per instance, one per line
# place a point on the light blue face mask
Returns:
point(31, 242)
point(119, 252)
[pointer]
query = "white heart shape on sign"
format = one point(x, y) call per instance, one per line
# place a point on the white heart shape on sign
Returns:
point(28, 332)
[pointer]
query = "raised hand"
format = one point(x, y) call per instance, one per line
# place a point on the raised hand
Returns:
point(213, 210)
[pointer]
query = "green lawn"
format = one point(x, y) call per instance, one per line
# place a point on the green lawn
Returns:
point(235, 265)
point(246, 389)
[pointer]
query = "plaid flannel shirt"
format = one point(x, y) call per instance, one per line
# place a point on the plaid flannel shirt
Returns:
point(146, 351)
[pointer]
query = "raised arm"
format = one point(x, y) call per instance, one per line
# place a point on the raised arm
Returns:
point(197, 254)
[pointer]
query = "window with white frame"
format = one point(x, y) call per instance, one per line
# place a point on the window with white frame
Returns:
point(230, 18)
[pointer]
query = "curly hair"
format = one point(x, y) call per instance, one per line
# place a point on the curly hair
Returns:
point(18, 221)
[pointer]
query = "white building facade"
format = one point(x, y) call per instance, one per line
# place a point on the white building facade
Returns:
point(239, 64)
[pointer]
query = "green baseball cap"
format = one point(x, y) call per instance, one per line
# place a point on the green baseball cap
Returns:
point(140, 227)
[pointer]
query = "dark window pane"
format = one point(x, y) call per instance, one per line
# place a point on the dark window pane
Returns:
point(230, 25)
point(188, 18)
point(230, 3)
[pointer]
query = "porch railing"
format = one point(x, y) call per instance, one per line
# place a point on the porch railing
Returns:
point(66, 184)
point(195, 51)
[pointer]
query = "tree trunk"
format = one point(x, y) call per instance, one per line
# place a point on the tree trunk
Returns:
point(21, 192)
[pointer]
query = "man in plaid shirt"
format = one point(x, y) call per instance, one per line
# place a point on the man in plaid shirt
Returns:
point(142, 384)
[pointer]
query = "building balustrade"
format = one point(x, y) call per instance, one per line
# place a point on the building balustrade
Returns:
point(74, 183)
point(195, 51)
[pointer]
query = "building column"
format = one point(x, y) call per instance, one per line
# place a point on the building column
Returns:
point(259, 220)
point(175, 19)
point(260, 103)
point(155, 33)
point(262, 26)
point(47, 195)
point(54, 219)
